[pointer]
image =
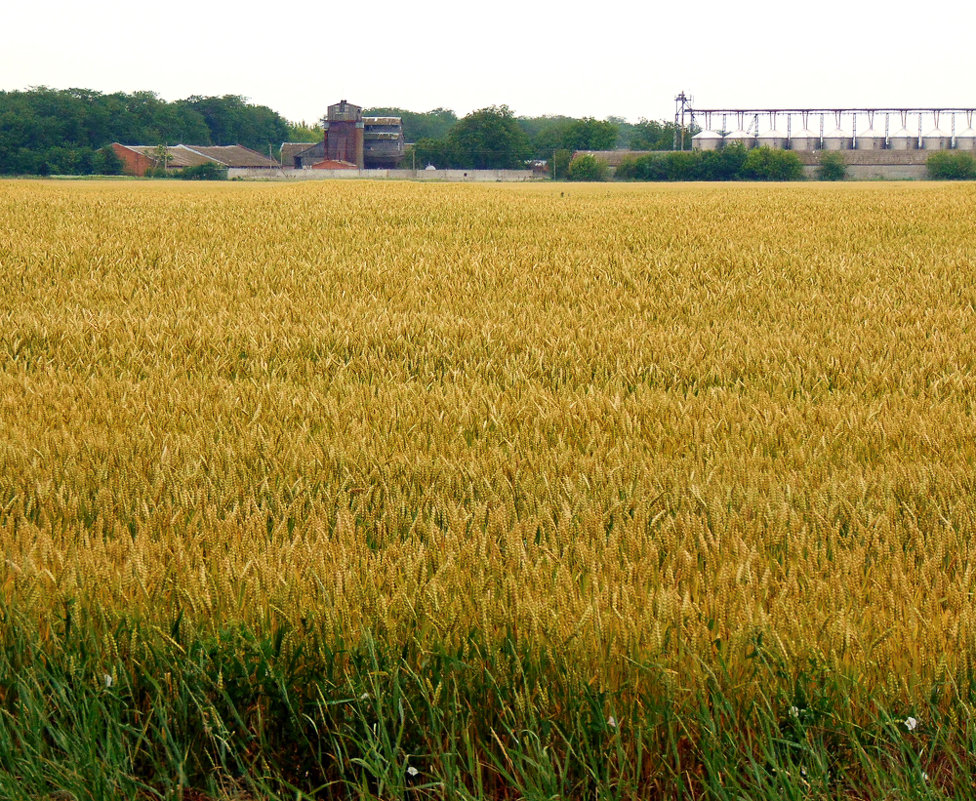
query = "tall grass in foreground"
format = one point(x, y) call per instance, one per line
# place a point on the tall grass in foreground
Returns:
point(233, 715)
point(398, 491)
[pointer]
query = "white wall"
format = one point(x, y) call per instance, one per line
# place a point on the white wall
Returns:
point(419, 175)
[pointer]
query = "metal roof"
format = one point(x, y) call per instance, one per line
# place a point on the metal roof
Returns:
point(233, 155)
point(179, 156)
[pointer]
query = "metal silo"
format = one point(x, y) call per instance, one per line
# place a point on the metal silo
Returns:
point(837, 139)
point(805, 139)
point(873, 138)
point(741, 137)
point(966, 140)
point(903, 140)
point(706, 140)
point(936, 139)
point(773, 138)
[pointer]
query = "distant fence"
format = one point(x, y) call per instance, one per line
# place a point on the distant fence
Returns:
point(410, 175)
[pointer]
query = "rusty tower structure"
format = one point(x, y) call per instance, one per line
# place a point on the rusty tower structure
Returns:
point(344, 133)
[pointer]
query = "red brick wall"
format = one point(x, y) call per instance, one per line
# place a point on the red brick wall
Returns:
point(133, 163)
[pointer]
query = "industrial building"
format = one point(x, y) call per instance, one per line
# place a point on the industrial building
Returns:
point(350, 141)
point(139, 159)
point(850, 129)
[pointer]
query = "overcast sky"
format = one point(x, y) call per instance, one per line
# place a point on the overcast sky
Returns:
point(537, 56)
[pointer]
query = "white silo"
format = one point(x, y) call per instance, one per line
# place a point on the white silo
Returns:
point(706, 140)
point(837, 139)
point(871, 139)
point(805, 139)
point(903, 139)
point(740, 137)
point(936, 139)
point(772, 138)
point(966, 140)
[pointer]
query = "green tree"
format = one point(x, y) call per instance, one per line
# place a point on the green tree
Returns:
point(831, 167)
point(590, 134)
point(587, 167)
point(767, 164)
point(161, 159)
point(233, 121)
point(558, 164)
point(489, 138)
point(106, 162)
point(684, 166)
point(722, 165)
point(651, 135)
point(546, 133)
point(436, 152)
point(549, 134)
point(209, 171)
point(951, 166)
point(303, 132)
point(650, 167)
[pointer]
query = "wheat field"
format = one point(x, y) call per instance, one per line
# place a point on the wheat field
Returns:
point(640, 433)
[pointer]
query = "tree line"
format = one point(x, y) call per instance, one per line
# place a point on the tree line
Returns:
point(70, 131)
point(494, 138)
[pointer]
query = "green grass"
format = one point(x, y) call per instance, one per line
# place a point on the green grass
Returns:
point(111, 709)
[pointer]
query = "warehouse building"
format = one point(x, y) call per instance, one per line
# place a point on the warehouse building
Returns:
point(349, 141)
point(140, 159)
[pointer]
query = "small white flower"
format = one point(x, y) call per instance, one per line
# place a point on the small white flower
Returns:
point(925, 776)
point(412, 771)
point(109, 681)
point(364, 697)
point(910, 723)
point(612, 722)
point(794, 712)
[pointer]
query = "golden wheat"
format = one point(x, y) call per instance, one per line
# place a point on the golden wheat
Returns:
point(619, 422)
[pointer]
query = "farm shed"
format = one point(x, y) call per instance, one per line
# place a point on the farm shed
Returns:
point(139, 159)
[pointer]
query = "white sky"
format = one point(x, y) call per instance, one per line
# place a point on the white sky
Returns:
point(537, 56)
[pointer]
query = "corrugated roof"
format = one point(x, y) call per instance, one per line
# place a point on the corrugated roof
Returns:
point(177, 156)
point(233, 155)
point(292, 150)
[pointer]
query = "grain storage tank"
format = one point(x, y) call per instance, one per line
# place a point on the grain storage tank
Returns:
point(871, 139)
point(706, 140)
point(740, 137)
point(805, 139)
point(772, 138)
point(936, 139)
point(837, 139)
point(903, 140)
point(966, 140)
